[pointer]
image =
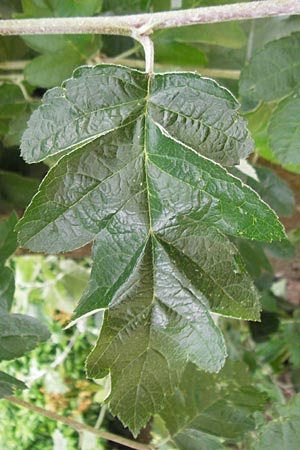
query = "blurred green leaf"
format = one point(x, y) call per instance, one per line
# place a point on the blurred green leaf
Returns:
point(274, 191)
point(223, 34)
point(60, 8)
point(283, 432)
point(178, 53)
point(126, 6)
point(7, 288)
point(272, 72)
point(203, 403)
point(284, 130)
point(16, 191)
point(12, 102)
point(19, 334)
point(8, 384)
point(60, 56)
point(8, 237)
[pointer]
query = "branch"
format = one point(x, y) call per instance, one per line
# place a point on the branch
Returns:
point(145, 24)
point(79, 427)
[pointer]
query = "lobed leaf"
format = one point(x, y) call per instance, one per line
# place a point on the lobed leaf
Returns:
point(136, 180)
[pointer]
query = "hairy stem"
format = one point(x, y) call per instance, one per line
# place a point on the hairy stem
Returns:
point(145, 24)
point(79, 427)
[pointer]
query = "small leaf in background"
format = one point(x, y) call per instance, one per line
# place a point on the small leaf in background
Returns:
point(273, 72)
point(60, 54)
point(17, 125)
point(284, 130)
point(7, 288)
point(8, 384)
point(274, 191)
point(199, 410)
point(8, 237)
point(12, 102)
point(19, 334)
point(283, 432)
point(136, 183)
point(260, 331)
point(16, 191)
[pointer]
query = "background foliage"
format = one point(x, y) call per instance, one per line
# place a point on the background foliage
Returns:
point(253, 402)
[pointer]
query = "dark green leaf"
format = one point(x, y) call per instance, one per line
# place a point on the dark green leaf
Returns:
point(274, 191)
point(8, 237)
point(8, 384)
point(206, 405)
point(19, 334)
point(254, 257)
point(16, 191)
point(284, 131)
point(269, 324)
point(273, 72)
point(158, 212)
point(11, 100)
point(7, 288)
point(284, 431)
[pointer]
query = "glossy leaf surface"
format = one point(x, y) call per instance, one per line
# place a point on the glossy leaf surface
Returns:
point(137, 181)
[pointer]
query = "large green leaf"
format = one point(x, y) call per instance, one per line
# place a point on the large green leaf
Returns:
point(273, 72)
point(8, 384)
point(284, 431)
point(206, 406)
point(284, 131)
point(136, 182)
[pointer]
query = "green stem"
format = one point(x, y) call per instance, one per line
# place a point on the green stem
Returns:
point(79, 427)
